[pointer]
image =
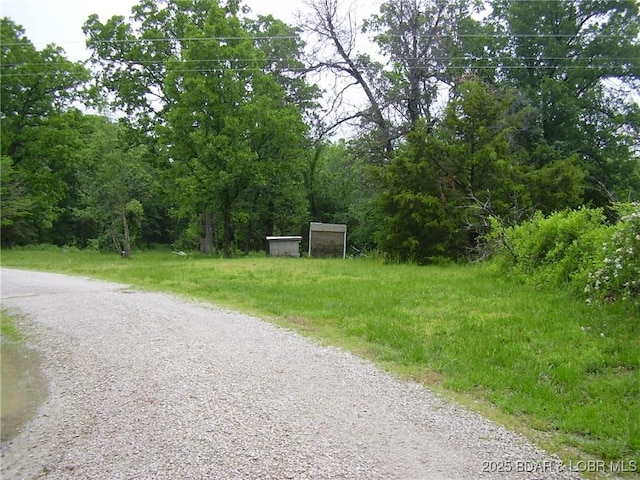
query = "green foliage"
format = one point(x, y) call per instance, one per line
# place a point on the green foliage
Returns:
point(575, 250)
point(16, 205)
point(555, 249)
point(35, 83)
point(340, 190)
point(230, 122)
point(446, 182)
point(616, 275)
point(420, 223)
point(563, 56)
point(40, 134)
point(548, 362)
point(546, 131)
point(114, 184)
point(542, 116)
point(556, 185)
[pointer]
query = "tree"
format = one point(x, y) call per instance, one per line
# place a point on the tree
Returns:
point(224, 110)
point(40, 138)
point(332, 182)
point(426, 45)
point(340, 190)
point(424, 48)
point(447, 181)
point(16, 204)
point(115, 183)
point(419, 224)
point(579, 63)
point(336, 52)
point(277, 136)
point(282, 57)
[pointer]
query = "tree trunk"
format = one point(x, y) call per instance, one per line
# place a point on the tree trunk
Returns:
point(247, 239)
point(269, 223)
point(206, 227)
point(229, 234)
point(249, 234)
point(126, 251)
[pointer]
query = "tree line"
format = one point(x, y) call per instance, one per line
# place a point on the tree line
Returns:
point(209, 131)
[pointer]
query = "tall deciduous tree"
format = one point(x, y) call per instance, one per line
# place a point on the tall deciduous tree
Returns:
point(579, 63)
point(115, 182)
point(336, 53)
point(424, 47)
point(426, 44)
point(40, 139)
point(218, 96)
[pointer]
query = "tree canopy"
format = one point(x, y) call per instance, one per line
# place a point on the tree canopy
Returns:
point(219, 133)
point(40, 134)
point(218, 99)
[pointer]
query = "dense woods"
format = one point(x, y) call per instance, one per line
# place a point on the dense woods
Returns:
point(200, 125)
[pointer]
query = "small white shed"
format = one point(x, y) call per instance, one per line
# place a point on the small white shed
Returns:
point(285, 246)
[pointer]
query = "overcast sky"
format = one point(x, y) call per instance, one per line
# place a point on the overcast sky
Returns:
point(60, 21)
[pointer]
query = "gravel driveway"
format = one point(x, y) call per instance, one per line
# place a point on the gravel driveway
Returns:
point(148, 386)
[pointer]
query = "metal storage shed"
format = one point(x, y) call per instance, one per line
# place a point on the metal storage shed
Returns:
point(327, 240)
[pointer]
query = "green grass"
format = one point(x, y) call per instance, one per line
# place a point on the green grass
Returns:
point(554, 368)
point(8, 329)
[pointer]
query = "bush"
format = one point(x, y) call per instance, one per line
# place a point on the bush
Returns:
point(552, 250)
point(575, 250)
point(618, 274)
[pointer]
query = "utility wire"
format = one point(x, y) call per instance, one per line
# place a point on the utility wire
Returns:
point(294, 37)
point(439, 69)
point(295, 60)
point(540, 62)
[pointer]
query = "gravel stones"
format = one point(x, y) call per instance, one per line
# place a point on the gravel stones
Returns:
point(149, 386)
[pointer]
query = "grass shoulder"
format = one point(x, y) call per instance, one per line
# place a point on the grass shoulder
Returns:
point(8, 328)
point(564, 373)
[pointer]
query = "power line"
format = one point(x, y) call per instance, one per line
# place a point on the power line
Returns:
point(280, 60)
point(439, 69)
point(182, 39)
point(294, 37)
point(470, 63)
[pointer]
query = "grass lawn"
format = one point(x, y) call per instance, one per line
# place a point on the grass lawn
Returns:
point(562, 372)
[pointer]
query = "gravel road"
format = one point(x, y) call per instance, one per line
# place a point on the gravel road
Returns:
point(149, 386)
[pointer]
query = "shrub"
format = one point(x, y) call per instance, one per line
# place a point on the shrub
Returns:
point(618, 274)
point(554, 249)
point(575, 250)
